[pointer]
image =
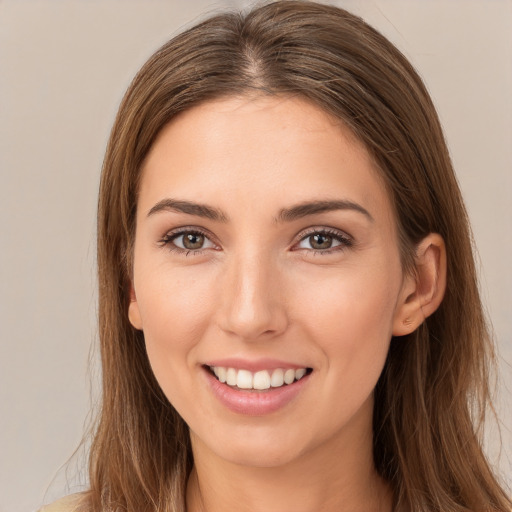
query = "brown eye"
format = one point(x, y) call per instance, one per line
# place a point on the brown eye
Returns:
point(188, 241)
point(324, 241)
point(320, 241)
point(193, 241)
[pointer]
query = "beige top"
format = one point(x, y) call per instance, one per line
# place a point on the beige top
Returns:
point(66, 504)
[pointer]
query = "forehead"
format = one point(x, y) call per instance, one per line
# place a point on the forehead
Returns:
point(259, 149)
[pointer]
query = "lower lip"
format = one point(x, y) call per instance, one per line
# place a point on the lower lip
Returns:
point(255, 403)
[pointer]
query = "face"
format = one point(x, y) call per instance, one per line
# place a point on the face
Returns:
point(267, 277)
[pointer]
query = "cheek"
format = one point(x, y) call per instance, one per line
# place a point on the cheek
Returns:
point(351, 319)
point(173, 303)
point(174, 308)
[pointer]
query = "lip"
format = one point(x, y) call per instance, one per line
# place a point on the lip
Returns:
point(254, 403)
point(254, 365)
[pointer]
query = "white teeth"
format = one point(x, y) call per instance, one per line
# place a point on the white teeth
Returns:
point(264, 379)
point(277, 379)
point(244, 379)
point(221, 373)
point(261, 380)
point(231, 376)
point(289, 376)
point(300, 373)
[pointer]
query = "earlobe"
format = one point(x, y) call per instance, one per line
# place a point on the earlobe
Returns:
point(133, 310)
point(423, 292)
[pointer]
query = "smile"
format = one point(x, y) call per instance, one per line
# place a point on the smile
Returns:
point(260, 380)
point(266, 389)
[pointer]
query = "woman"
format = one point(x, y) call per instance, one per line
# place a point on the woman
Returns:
point(289, 314)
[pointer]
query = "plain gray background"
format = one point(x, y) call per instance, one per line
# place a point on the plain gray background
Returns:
point(64, 65)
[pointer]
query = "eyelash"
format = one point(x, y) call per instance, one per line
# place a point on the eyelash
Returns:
point(344, 240)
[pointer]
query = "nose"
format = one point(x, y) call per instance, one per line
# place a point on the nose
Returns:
point(252, 299)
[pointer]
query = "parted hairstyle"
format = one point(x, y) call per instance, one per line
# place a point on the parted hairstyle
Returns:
point(431, 398)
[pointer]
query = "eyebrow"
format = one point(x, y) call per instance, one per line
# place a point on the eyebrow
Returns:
point(285, 215)
point(180, 206)
point(313, 207)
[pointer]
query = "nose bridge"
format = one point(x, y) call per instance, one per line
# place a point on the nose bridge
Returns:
point(252, 305)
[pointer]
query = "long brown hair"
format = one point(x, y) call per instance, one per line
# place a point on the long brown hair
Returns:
point(431, 398)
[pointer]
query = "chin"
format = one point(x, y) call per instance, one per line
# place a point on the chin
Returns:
point(269, 456)
point(262, 447)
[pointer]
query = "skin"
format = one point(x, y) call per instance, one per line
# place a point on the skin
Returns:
point(260, 288)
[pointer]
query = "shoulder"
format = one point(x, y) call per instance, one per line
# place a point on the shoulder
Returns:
point(67, 504)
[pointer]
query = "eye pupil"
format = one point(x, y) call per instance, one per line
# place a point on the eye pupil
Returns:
point(193, 241)
point(320, 241)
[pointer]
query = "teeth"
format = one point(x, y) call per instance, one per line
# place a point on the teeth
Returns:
point(300, 373)
point(289, 376)
point(277, 379)
point(221, 373)
point(261, 380)
point(244, 379)
point(231, 376)
point(264, 379)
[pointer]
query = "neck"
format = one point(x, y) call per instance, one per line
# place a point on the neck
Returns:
point(337, 476)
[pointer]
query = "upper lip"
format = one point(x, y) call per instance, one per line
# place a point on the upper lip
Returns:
point(254, 365)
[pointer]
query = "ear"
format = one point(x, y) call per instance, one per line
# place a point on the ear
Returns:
point(423, 291)
point(133, 310)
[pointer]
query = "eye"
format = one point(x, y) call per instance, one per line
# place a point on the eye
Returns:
point(324, 241)
point(188, 240)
